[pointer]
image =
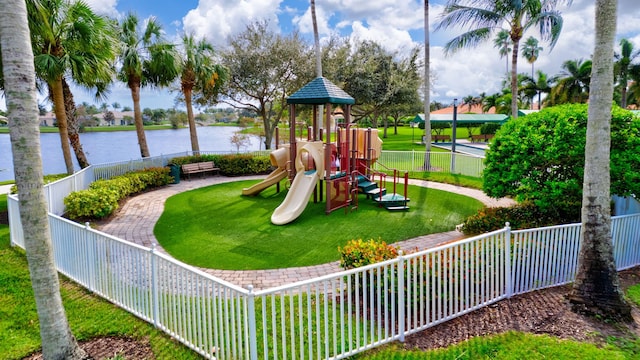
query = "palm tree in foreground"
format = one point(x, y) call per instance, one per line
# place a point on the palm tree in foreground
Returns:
point(147, 60)
point(485, 17)
point(70, 41)
point(22, 105)
point(596, 289)
point(198, 73)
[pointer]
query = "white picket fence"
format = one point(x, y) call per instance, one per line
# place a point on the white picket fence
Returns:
point(331, 317)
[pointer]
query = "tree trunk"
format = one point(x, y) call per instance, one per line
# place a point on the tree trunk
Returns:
point(623, 93)
point(427, 90)
point(22, 105)
point(596, 290)
point(195, 147)
point(73, 126)
point(137, 115)
point(61, 117)
point(514, 78)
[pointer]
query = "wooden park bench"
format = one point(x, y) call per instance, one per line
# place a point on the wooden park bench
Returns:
point(481, 137)
point(200, 167)
point(437, 138)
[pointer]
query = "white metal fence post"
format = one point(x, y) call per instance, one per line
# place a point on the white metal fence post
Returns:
point(91, 255)
point(251, 318)
point(154, 285)
point(508, 259)
point(401, 299)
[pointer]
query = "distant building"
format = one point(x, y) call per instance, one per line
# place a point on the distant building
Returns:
point(120, 118)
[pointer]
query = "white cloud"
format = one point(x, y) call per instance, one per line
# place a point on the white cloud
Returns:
point(104, 7)
point(217, 20)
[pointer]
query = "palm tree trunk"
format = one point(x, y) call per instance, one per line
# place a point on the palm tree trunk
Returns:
point(74, 136)
point(514, 79)
point(137, 115)
point(596, 289)
point(195, 147)
point(623, 93)
point(61, 117)
point(22, 104)
point(427, 90)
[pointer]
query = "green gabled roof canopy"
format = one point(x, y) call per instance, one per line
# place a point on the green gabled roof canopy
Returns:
point(464, 118)
point(320, 91)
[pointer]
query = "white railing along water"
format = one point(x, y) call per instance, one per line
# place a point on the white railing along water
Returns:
point(331, 317)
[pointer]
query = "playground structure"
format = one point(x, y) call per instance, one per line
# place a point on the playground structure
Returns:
point(336, 172)
point(279, 159)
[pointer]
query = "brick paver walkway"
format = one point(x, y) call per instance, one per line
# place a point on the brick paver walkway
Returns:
point(135, 222)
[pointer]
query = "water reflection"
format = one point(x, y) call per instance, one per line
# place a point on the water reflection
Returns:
point(101, 147)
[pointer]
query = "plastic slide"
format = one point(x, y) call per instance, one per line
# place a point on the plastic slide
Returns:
point(302, 187)
point(279, 158)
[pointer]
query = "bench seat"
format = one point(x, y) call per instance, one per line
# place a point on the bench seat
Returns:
point(199, 168)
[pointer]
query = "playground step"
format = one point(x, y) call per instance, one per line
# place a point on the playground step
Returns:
point(377, 191)
point(397, 208)
point(391, 198)
point(366, 186)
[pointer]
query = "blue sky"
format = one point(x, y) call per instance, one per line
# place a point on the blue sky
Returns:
point(396, 24)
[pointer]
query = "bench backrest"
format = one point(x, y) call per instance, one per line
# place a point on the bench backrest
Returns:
point(190, 167)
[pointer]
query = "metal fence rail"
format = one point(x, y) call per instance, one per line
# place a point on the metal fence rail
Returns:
point(331, 317)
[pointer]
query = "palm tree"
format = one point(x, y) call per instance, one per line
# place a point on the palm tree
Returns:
point(22, 104)
point(531, 50)
point(427, 89)
point(539, 85)
point(572, 84)
point(69, 39)
point(503, 43)
point(468, 100)
point(596, 289)
point(199, 73)
point(147, 60)
point(488, 16)
point(633, 94)
point(622, 67)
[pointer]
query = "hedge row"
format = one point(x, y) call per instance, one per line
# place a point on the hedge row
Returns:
point(101, 198)
point(525, 215)
point(230, 165)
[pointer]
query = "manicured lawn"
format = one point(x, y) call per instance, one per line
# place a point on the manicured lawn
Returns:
point(89, 316)
point(216, 227)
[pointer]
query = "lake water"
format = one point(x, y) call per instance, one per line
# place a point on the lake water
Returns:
point(102, 147)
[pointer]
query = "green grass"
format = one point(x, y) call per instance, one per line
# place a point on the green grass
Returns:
point(216, 227)
point(508, 346)
point(88, 315)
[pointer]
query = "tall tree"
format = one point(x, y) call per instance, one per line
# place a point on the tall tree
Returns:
point(69, 39)
point(531, 51)
point(147, 60)
point(623, 66)
point(542, 83)
point(596, 289)
point(427, 88)
point(502, 42)
point(488, 16)
point(198, 72)
point(265, 67)
point(22, 106)
point(573, 83)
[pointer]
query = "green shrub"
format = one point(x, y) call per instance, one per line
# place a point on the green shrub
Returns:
point(230, 165)
point(357, 253)
point(489, 128)
point(91, 203)
point(521, 216)
point(236, 165)
point(101, 198)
